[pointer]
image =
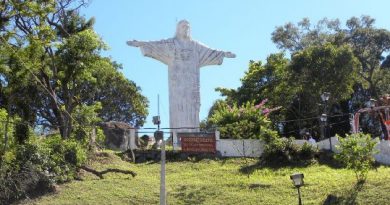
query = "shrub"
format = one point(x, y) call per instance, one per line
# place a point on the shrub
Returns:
point(100, 138)
point(22, 175)
point(143, 142)
point(356, 153)
point(284, 151)
point(307, 151)
point(248, 121)
point(65, 156)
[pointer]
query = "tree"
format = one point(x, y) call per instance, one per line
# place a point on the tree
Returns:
point(120, 98)
point(369, 44)
point(56, 54)
point(262, 81)
point(325, 68)
point(297, 84)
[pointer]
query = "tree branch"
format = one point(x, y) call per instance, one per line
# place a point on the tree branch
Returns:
point(101, 173)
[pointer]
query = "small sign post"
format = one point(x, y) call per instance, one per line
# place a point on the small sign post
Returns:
point(198, 142)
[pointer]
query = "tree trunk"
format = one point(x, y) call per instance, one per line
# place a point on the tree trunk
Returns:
point(92, 140)
point(5, 134)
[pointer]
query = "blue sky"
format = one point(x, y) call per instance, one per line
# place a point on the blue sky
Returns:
point(243, 27)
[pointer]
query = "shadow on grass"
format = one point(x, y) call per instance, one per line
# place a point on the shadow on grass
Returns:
point(259, 186)
point(322, 158)
point(154, 156)
point(248, 169)
point(327, 158)
point(347, 198)
point(191, 194)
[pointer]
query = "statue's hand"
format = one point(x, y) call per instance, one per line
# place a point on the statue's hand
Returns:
point(134, 43)
point(230, 55)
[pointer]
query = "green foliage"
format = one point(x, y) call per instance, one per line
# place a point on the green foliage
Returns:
point(283, 151)
point(270, 81)
point(85, 118)
point(248, 121)
point(3, 119)
point(32, 168)
point(318, 62)
point(317, 69)
point(143, 141)
point(215, 182)
point(53, 69)
point(64, 157)
point(120, 97)
point(100, 137)
point(356, 153)
point(370, 45)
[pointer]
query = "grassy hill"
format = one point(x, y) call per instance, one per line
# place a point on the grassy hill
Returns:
point(218, 182)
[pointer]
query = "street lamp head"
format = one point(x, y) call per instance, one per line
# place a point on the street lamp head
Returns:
point(324, 118)
point(371, 103)
point(297, 179)
point(325, 96)
point(156, 120)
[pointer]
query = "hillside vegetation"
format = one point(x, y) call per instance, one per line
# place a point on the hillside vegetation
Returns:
point(218, 182)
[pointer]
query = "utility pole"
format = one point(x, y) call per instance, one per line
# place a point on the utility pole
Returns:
point(163, 200)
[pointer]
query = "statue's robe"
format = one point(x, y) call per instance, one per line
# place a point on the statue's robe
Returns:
point(184, 59)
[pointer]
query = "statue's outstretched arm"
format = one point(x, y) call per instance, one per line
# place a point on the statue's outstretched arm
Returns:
point(229, 54)
point(136, 43)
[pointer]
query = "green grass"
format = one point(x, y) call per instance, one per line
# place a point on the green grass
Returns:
point(218, 182)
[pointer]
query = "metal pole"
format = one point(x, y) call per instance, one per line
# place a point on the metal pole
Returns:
point(330, 139)
point(158, 113)
point(162, 185)
point(163, 200)
point(326, 130)
point(299, 197)
point(322, 130)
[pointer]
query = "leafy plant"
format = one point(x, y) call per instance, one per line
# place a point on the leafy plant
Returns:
point(248, 121)
point(285, 151)
point(356, 153)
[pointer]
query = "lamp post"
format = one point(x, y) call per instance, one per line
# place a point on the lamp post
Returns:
point(297, 179)
point(157, 121)
point(324, 117)
point(372, 103)
point(160, 135)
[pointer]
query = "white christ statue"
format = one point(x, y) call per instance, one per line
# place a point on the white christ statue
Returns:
point(184, 57)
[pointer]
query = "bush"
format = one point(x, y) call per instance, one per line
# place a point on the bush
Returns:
point(22, 175)
point(143, 142)
point(284, 151)
point(356, 153)
point(65, 156)
point(100, 138)
point(307, 151)
point(31, 169)
point(248, 121)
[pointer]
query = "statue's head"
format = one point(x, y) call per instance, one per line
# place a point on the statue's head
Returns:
point(183, 30)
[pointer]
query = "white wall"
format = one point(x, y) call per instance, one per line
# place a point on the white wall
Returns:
point(383, 156)
point(324, 144)
point(255, 148)
point(240, 148)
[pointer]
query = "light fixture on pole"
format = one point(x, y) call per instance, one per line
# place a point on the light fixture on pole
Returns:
point(324, 118)
point(325, 96)
point(371, 103)
point(297, 179)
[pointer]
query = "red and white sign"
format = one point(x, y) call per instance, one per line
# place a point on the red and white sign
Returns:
point(198, 142)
